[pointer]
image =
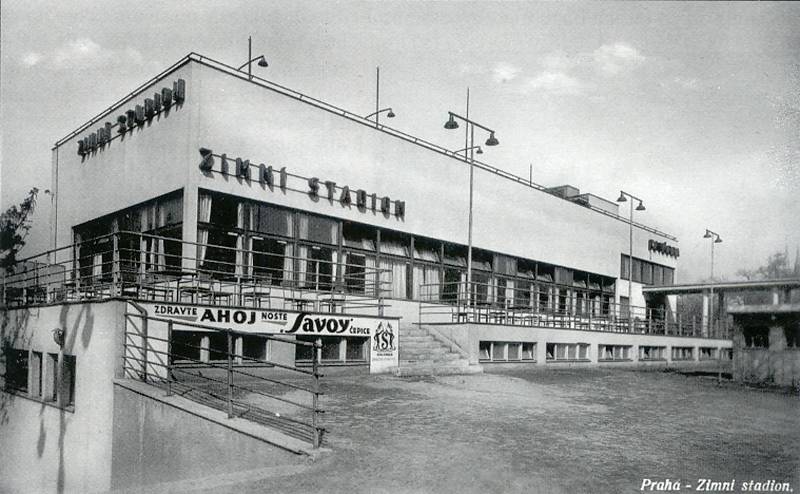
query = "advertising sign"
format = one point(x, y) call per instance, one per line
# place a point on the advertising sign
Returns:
point(381, 332)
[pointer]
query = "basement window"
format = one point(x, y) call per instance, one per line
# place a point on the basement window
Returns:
point(16, 375)
point(756, 337)
point(707, 353)
point(682, 353)
point(507, 351)
point(614, 352)
point(652, 352)
point(567, 352)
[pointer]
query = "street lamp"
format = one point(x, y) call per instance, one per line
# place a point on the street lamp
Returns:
point(262, 62)
point(623, 198)
point(478, 150)
point(390, 114)
point(715, 239)
point(452, 124)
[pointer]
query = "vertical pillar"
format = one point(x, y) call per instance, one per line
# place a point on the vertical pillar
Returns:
point(189, 247)
point(205, 344)
point(238, 348)
point(704, 324)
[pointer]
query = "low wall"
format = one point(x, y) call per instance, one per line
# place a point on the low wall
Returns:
point(155, 442)
point(468, 337)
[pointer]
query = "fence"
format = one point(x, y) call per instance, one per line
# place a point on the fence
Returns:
point(152, 354)
point(152, 267)
point(556, 306)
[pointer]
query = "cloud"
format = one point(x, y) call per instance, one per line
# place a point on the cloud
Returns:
point(83, 52)
point(505, 72)
point(31, 59)
point(616, 58)
point(556, 83)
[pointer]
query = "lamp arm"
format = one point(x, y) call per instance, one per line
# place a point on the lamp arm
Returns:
point(376, 112)
point(249, 61)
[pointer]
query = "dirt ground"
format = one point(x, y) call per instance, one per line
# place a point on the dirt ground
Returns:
point(592, 431)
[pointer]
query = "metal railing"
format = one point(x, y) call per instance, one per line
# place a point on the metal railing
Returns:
point(152, 267)
point(551, 305)
point(153, 355)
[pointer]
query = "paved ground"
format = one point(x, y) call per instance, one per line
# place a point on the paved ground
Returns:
point(550, 432)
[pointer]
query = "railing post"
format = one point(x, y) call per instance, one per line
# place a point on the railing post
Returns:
point(230, 373)
point(315, 398)
point(169, 358)
point(145, 344)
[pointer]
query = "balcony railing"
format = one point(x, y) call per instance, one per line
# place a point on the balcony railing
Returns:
point(157, 268)
point(555, 306)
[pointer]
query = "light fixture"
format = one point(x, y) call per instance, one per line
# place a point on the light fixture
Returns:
point(622, 197)
point(262, 62)
point(640, 207)
point(718, 240)
point(707, 235)
point(451, 124)
point(479, 151)
point(390, 114)
point(492, 140)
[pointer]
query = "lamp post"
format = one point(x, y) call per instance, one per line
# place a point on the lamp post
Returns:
point(715, 239)
point(262, 62)
point(622, 198)
point(451, 124)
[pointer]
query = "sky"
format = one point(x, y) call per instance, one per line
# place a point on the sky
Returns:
point(694, 107)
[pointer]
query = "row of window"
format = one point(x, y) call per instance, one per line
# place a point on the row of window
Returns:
point(36, 375)
point(758, 336)
point(246, 238)
point(195, 347)
point(504, 351)
point(646, 272)
point(241, 238)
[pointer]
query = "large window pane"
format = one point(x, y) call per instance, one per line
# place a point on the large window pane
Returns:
point(273, 220)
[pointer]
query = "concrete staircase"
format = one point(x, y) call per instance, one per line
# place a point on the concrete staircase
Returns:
point(423, 355)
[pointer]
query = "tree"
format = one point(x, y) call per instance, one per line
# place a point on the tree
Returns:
point(777, 267)
point(15, 224)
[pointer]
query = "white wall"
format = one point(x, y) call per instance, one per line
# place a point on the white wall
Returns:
point(44, 447)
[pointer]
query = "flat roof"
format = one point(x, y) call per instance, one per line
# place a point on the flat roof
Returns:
point(725, 285)
point(253, 79)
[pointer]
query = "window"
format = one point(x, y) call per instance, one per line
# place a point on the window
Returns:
point(36, 368)
point(36, 374)
point(318, 229)
point(652, 352)
point(51, 373)
point(567, 351)
point(707, 353)
point(304, 353)
point(16, 376)
point(217, 345)
point(682, 353)
point(254, 347)
point(613, 352)
point(186, 345)
point(501, 351)
point(792, 334)
point(334, 350)
point(356, 350)
point(68, 381)
point(272, 220)
point(646, 272)
point(272, 260)
point(220, 255)
point(756, 337)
